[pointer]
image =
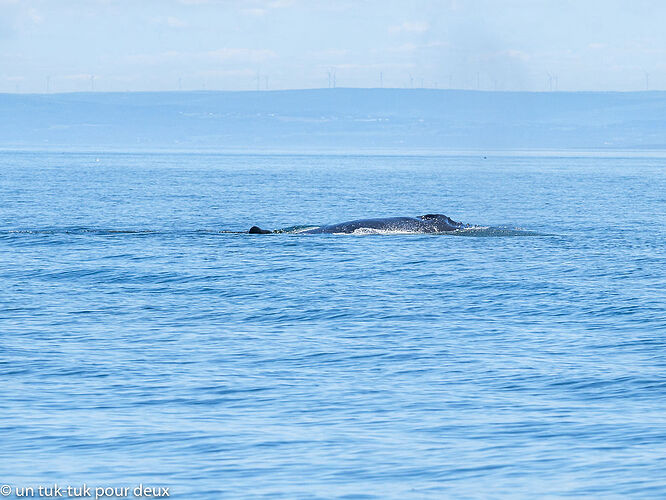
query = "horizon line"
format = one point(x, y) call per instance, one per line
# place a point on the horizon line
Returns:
point(317, 89)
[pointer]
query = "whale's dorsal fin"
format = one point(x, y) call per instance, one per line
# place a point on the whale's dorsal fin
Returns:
point(430, 216)
point(258, 230)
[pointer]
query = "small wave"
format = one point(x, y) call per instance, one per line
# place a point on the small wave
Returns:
point(473, 231)
point(368, 230)
point(295, 229)
point(78, 230)
point(494, 232)
point(92, 231)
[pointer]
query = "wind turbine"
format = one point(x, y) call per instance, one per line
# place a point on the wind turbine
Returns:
point(331, 78)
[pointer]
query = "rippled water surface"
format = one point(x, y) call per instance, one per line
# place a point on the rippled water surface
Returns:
point(142, 343)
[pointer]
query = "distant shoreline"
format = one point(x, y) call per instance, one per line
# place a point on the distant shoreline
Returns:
point(311, 121)
point(335, 89)
point(570, 153)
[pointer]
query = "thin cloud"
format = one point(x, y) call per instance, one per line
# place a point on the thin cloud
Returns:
point(219, 55)
point(35, 16)
point(175, 22)
point(171, 22)
point(330, 53)
point(248, 5)
point(242, 72)
point(253, 55)
point(409, 27)
point(260, 8)
point(413, 47)
point(515, 54)
point(76, 77)
point(278, 4)
point(255, 12)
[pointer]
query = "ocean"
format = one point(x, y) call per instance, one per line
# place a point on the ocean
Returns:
point(145, 340)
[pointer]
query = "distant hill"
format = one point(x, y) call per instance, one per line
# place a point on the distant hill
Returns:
point(335, 119)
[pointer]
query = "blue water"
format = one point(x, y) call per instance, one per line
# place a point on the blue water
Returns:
point(140, 343)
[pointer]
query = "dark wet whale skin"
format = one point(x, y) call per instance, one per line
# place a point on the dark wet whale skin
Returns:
point(430, 223)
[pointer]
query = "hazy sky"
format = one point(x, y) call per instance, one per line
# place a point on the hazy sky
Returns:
point(72, 45)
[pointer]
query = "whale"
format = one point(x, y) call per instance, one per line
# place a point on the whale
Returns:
point(429, 223)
